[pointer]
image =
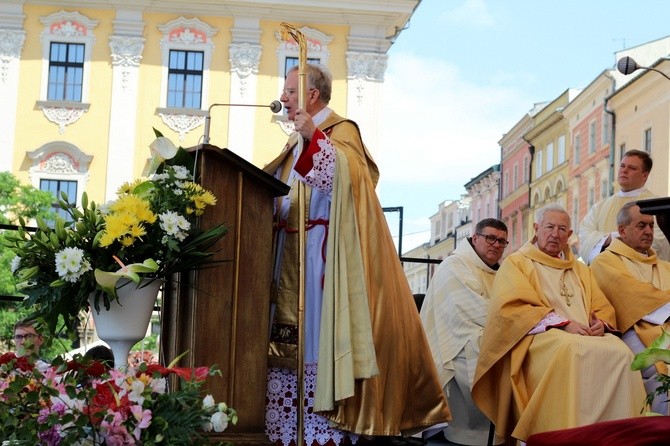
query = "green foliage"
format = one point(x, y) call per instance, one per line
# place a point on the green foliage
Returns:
point(658, 351)
point(20, 200)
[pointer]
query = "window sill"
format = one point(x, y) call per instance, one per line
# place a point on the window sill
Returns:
point(62, 113)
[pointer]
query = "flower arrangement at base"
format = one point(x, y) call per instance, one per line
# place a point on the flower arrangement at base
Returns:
point(81, 402)
point(149, 231)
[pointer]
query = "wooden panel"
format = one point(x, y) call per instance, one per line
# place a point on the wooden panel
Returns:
point(220, 314)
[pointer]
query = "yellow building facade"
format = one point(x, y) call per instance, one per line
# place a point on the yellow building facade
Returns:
point(84, 83)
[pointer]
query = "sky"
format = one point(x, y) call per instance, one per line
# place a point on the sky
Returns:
point(464, 72)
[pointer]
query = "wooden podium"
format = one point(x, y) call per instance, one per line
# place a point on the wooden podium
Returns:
point(220, 314)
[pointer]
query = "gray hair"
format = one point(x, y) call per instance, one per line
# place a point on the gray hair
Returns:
point(318, 77)
point(544, 210)
point(623, 217)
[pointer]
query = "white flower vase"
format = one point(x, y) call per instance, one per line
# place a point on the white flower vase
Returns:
point(126, 321)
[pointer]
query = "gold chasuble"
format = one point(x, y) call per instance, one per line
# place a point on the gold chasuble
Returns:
point(375, 372)
point(636, 285)
point(552, 380)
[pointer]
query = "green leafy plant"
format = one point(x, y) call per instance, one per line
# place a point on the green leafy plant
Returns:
point(658, 351)
point(149, 231)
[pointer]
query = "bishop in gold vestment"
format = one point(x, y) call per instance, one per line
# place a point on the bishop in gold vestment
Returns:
point(637, 284)
point(368, 365)
point(548, 357)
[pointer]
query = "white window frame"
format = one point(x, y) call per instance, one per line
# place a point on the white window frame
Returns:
point(526, 169)
point(515, 176)
point(60, 160)
point(577, 148)
point(187, 35)
point(538, 164)
point(647, 139)
point(561, 149)
point(592, 137)
point(67, 27)
point(550, 156)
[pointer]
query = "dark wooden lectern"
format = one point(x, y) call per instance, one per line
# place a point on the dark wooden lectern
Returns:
point(220, 314)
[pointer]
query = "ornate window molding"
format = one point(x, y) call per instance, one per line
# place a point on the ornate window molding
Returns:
point(67, 27)
point(62, 113)
point(11, 43)
point(188, 35)
point(126, 52)
point(317, 48)
point(244, 60)
point(363, 68)
point(59, 160)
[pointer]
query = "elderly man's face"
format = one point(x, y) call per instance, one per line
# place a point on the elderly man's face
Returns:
point(553, 233)
point(639, 233)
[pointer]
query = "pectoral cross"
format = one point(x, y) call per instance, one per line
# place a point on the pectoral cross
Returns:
point(567, 294)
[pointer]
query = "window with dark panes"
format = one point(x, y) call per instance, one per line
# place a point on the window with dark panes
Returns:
point(185, 79)
point(56, 187)
point(291, 62)
point(66, 71)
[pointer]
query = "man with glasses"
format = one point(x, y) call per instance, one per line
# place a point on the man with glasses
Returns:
point(550, 356)
point(28, 341)
point(361, 324)
point(453, 314)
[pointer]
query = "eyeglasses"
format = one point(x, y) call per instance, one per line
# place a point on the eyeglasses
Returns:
point(290, 91)
point(27, 336)
point(492, 239)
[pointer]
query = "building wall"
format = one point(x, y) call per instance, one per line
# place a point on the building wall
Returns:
point(640, 105)
point(103, 140)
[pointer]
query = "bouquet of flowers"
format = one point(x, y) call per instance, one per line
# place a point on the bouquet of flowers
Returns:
point(149, 231)
point(81, 402)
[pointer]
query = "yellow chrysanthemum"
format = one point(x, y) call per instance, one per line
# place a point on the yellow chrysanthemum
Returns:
point(128, 188)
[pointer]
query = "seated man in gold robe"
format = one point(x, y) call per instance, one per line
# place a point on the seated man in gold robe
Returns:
point(548, 358)
point(637, 284)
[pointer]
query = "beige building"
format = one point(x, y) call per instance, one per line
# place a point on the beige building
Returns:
point(589, 151)
point(84, 82)
point(549, 167)
point(642, 110)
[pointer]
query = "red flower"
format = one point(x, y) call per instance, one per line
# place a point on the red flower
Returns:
point(197, 374)
point(7, 357)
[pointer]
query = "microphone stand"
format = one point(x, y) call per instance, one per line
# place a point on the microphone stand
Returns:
point(275, 107)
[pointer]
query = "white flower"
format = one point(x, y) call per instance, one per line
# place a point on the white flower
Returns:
point(181, 172)
point(136, 391)
point(219, 421)
point(158, 385)
point(208, 402)
point(71, 264)
point(174, 225)
point(14, 265)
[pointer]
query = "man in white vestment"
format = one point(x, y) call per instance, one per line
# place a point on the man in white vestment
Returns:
point(599, 226)
point(453, 315)
point(637, 284)
point(550, 357)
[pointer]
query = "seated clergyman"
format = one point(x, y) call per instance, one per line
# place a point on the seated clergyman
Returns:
point(637, 283)
point(548, 358)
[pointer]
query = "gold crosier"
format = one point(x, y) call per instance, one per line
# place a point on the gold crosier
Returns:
point(289, 31)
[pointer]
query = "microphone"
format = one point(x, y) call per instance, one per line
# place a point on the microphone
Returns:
point(627, 65)
point(275, 106)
